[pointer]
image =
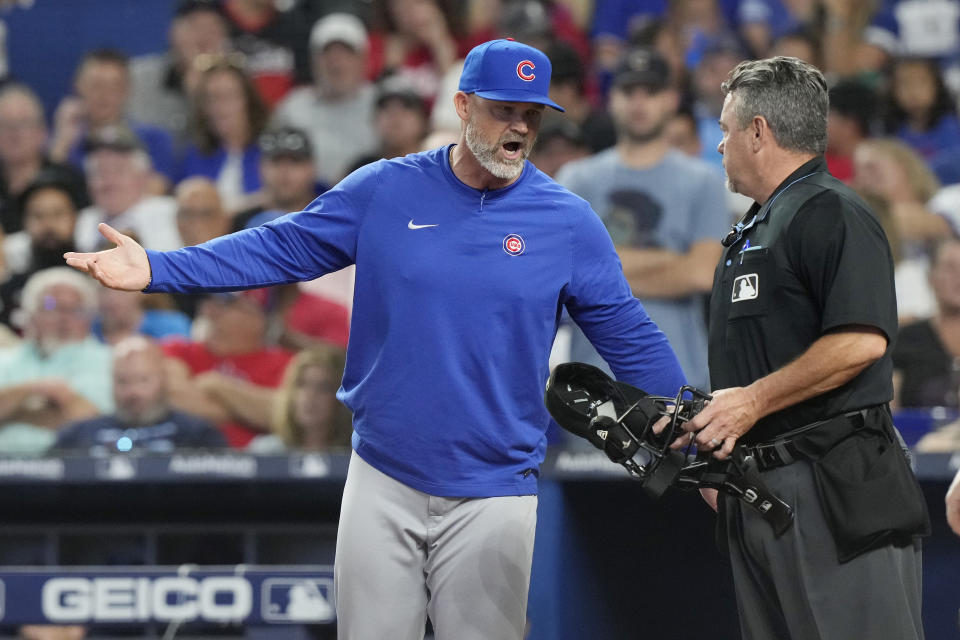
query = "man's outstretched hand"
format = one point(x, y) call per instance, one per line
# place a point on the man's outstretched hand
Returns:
point(124, 267)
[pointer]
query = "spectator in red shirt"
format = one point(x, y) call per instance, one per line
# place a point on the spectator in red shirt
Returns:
point(232, 348)
point(299, 320)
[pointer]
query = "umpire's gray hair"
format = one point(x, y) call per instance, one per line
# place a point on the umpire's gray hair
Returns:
point(790, 94)
point(31, 300)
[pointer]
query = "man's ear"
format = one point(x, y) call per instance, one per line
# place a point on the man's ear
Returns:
point(760, 132)
point(461, 102)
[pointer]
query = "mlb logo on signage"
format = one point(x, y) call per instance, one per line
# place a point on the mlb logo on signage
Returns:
point(116, 468)
point(298, 600)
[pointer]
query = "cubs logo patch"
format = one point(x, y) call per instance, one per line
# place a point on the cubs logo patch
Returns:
point(525, 70)
point(746, 287)
point(513, 244)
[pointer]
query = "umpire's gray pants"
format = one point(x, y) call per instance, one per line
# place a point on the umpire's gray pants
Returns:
point(403, 554)
point(793, 587)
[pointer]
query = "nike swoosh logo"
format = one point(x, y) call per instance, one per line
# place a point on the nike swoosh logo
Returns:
point(410, 225)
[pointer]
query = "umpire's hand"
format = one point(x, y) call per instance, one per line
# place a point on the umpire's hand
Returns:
point(124, 267)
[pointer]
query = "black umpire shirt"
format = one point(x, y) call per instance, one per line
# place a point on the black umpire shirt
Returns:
point(812, 259)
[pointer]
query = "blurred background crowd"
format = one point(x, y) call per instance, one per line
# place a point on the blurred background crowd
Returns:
point(258, 106)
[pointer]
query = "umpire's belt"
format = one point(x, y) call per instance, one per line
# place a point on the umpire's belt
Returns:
point(802, 443)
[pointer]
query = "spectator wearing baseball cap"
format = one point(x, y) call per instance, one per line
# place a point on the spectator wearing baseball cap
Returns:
point(287, 171)
point(337, 108)
point(642, 67)
point(234, 349)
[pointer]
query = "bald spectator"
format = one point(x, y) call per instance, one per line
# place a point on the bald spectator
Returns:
point(144, 420)
point(118, 172)
point(337, 109)
point(23, 144)
point(200, 213)
point(59, 373)
point(101, 92)
point(200, 217)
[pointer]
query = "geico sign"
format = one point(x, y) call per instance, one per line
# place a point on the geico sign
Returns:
point(140, 599)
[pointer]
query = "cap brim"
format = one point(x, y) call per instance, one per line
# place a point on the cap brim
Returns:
point(625, 80)
point(517, 95)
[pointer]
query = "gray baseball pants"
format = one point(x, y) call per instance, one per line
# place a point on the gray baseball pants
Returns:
point(403, 555)
point(794, 588)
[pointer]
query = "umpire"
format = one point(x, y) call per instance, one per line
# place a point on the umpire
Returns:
point(802, 315)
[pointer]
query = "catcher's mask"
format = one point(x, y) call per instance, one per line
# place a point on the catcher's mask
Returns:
point(619, 420)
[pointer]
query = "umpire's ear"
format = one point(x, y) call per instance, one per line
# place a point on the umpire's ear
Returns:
point(462, 103)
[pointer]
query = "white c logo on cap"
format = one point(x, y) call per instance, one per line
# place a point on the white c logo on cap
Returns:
point(528, 75)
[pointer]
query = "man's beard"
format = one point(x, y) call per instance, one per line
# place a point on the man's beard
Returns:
point(643, 137)
point(145, 417)
point(731, 185)
point(49, 253)
point(486, 154)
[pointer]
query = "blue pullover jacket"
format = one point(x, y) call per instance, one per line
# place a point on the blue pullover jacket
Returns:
point(457, 299)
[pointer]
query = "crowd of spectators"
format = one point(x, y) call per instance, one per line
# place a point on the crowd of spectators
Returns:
point(258, 107)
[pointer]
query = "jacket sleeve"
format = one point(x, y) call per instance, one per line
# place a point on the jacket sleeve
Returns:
point(295, 247)
point(600, 302)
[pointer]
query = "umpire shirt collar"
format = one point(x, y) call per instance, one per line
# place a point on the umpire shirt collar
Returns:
point(815, 165)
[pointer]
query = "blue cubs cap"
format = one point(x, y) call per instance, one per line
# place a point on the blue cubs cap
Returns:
point(509, 71)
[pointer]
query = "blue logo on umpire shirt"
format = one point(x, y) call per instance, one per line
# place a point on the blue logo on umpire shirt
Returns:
point(298, 600)
point(746, 287)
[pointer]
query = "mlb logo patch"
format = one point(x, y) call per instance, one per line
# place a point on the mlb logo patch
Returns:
point(746, 287)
